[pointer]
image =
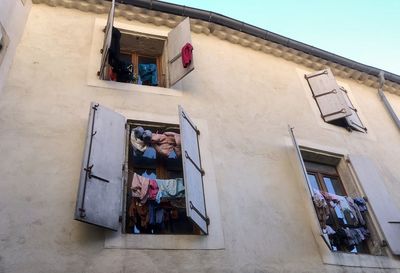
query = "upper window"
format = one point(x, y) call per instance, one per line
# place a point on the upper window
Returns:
point(146, 175)
point(333, 101)
point(145, 59)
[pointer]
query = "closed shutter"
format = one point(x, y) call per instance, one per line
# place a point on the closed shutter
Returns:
point(107, 42)
point(177, 38)
point(353, 120)
point(193, 172)
point(303, 171)
point(328, 96)
point(100, 186)
point(383, 207)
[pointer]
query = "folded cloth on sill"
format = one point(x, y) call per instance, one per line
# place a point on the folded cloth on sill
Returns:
point(170, 188)
point(167, 142)
point(140, 187)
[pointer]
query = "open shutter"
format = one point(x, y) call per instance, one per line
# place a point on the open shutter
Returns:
point(328, 96)
point(383, 207)
point(177, 38)
point(193, 172)
point(100, 186)
point(353, 120)
point(306, 180)
point(107, 42)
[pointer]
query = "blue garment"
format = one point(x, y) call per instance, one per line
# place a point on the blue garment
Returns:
point(148, 72)
point(170, 188)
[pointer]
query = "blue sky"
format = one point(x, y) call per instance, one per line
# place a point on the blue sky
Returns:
point(367, 31)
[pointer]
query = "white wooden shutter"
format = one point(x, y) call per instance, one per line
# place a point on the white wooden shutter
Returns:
point(328, 96)
point(100, 187)
point(193, 172)
point(303, 170)
point(107, 42)
point(383, 207)
point(353, 120)
point(177, 38)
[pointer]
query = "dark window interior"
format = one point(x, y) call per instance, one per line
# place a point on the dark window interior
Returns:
point(150, 164)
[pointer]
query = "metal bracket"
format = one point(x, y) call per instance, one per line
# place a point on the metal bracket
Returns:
point(175, 58)
point(205, 218)
point(316, 75)
point(334, 113)
point(194, 164)
point(326, 93)
point(90, 175)
point(82, 213)
point(190, 122)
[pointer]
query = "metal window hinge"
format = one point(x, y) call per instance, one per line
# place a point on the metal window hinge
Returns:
point(205, 218)
point(190, 123)
point(316, 75)
point(90, 175)
point(194, 163)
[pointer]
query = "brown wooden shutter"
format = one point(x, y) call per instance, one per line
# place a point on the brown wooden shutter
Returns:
point(353, 120)
point(303, 171)
point(193, 172)
point(328, 96)
point(385, 210)
point(100, 187)
point(177, 38)
point(107, 42)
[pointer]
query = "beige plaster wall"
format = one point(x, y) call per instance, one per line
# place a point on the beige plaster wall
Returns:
point(13, 16)
point(247, 99)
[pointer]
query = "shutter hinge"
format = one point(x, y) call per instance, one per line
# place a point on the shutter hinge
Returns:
point(334, 113)
point(316, 75)
point(194, 163)
point(190, 123)
point(90, 175)
point(205, 218)
point(326, 93)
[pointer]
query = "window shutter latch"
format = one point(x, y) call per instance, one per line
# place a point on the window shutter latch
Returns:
point(194, 163)
point(205, 218)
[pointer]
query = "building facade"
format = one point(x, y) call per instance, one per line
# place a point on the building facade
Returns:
point(264, 127)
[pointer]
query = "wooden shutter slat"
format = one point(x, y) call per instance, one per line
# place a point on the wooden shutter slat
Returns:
point(193, 172)
point(328, 96)
point(303, 170)
point(379, 199)
point(107, 41)
point(177, 38)
point(100, 186)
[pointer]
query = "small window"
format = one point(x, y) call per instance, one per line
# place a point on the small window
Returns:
point(145, 59)
point(333, 101)
point(146, 175)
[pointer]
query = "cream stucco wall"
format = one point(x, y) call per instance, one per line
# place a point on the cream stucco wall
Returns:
point(246, 97)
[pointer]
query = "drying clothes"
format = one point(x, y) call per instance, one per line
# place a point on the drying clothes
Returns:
point(362, 205)
point(321, 208)
point(143, 212)
point(139, 187)
point(170, 188)
point(153, 189)
point(148, 74)
point(166, 142)
point(137, 210)
point(156, 215)
point(114, 50)
point(355, 209)
point(328, 230)
point(138, 144)
point(187, 54)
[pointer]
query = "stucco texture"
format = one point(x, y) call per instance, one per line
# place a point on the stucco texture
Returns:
point(247, 98)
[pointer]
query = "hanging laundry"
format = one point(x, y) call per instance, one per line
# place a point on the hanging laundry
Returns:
point(362, 205)
point(356, 210)
point(153, 189)
point(139, 187)
point(170, 188)
point(321, 207)
point(148, 74)
point(187, 54)
point(165, 143)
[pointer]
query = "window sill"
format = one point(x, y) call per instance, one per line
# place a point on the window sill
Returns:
point(95, 60)
point(215, 238)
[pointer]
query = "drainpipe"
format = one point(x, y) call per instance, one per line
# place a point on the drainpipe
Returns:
point(385, 101)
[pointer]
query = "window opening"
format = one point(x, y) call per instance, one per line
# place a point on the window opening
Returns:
point(340, 216)
point(155, 158)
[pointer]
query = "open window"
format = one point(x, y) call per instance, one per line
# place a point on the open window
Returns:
point(333, 101)
point(145, 59)
point(145, 175)
point(342, 211)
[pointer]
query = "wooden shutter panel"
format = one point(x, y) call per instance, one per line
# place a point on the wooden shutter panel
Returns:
point(177, 38)
point(306, 180)
point(353, 120)
point(193, 172)
point(100, 186)
point(384, 209)
point(107, 41)
point(328, 96)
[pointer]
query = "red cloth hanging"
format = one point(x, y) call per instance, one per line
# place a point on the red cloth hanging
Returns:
point(187, 54)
